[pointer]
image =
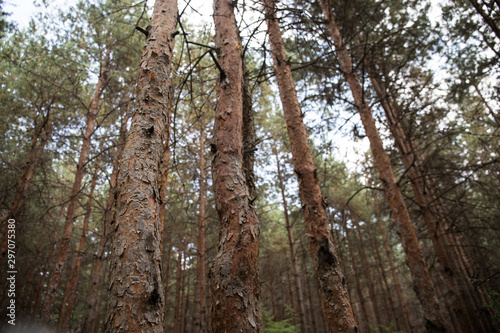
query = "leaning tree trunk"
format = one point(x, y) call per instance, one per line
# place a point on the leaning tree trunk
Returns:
point(435, 320)
point(63, 244)
point(235, 280)
point(137, 297)
point(334, 296)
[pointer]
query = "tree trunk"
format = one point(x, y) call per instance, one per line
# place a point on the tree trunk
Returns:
point(459, 291)
point(177, 308)
point(359, 288)
point(200, 311)
point(235, 280)
point(334, 297)
point(137, 296)
point(91, 314)
point(402, 302)
point(40, 137)
point(367, 272)
point(293, 255)
point(70, 290)
point(62, 251)
point(435, 321)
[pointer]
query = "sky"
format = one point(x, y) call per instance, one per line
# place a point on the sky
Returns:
point(201, 12)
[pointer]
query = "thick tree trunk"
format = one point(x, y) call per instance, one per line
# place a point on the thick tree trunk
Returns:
point(235, 279)
point(70, 290)
point(64, 243)
point(435, 321)
point(137, 297)
point(91, 313)
point(334, 297)
point(200, 292)
point(291, 244)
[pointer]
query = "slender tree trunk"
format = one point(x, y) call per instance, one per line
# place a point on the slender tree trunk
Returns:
point(64, 243)
point(137, 295)
point(200, 312)
point(367, 272)
point(274, 311)
point(40, 137)
point(359, 288)
point(391, 307)
point(235, 280)
point(458, 288)
point(167, 282)
point(334, 297)
point(178, 280)
point(70, 290)
point(53, 243)
point(291, 244)
point(402, 302)
point(91, 313)
point(435, 321)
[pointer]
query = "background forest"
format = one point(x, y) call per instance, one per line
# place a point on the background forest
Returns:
point(429, 72)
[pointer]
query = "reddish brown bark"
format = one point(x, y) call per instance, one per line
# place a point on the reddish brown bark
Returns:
point(435, 320)
point(334, 297)
point(293, 255)
point(235, 279)
point(200, 293)
point(62, 251)
point(91, 314)
point(137, 295)
point(70, 290)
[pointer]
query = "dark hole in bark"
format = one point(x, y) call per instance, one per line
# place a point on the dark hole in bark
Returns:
point(150, 130)
point(154, 297)
point(324, 253)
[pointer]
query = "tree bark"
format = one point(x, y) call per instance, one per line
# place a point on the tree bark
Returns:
point(64, 243)
point(91, 314)
point(200, 293)
point(137, 297)
point(70, 290)
point(334, 297)
point(235, 279)
point(435, 320)
point(402, 302)
point(177, 308)
point(293, 255)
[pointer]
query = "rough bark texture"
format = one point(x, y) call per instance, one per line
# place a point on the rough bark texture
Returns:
point(91, 315)
point(334, 297)
point(293, 255)
point(235, 279)
point(200, 311)
point(75, 191)
point(70, 290)
point(435, 321)
point(137, 297)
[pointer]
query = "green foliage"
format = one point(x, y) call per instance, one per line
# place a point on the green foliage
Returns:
point(494, 304)
point(282, 326)
point(381, 328)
